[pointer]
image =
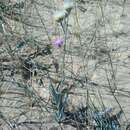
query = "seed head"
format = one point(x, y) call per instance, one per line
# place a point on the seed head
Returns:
point(68, 5)
point(60, 15)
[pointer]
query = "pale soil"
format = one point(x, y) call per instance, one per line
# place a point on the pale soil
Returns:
point(117, 31)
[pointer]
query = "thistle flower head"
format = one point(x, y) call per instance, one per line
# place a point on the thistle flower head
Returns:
point(58, 42)
point(60, 15)
point(108, 110)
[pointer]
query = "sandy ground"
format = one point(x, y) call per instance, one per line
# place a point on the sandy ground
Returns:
point(84, 59)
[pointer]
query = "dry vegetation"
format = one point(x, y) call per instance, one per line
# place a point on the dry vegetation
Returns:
point(64, 67)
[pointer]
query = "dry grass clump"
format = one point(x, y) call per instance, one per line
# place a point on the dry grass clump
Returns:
point(64, 65)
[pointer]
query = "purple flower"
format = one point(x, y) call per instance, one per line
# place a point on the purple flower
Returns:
point(108, 110)
point(58, 42)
